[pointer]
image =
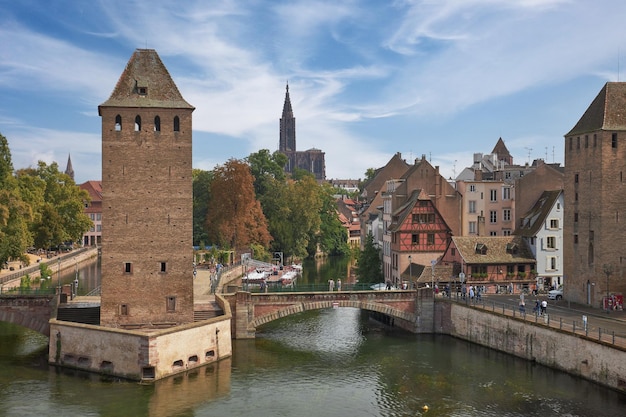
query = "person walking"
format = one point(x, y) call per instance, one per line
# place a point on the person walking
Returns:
point(339, 285)
point(544, 307)
point(331, 285)
point(522, 307)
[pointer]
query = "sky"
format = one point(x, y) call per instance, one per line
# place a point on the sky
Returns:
point(367, 78)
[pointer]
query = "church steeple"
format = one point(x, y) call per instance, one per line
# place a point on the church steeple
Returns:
point(69, 170)
point(287, 140)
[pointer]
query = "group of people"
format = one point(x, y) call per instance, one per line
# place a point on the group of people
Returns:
point(331, 285)
point(540, 308)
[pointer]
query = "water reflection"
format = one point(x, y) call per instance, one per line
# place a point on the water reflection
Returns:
point(332, 362)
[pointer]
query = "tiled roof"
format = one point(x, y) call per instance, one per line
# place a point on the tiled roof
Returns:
point(536, 216)
point(146, 71)
point(94, 188)
point(496, 249)
point(606, 111)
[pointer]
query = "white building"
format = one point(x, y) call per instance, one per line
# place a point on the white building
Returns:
point(542, 228)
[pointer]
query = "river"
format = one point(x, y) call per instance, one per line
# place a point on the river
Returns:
point(332, 362)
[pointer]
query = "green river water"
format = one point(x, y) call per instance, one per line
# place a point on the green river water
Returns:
point(332, 362)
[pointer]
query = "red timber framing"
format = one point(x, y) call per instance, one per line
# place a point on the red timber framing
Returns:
point(419, 228)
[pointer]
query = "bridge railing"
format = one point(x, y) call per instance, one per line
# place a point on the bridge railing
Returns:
point(27, 291)
point(309, 287)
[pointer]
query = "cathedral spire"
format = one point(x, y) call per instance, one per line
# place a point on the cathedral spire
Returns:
point(68, 169)
point(287, 110)
point(287, 140)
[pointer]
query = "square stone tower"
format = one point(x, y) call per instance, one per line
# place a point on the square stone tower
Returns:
point(147, 254)
point(594, 230)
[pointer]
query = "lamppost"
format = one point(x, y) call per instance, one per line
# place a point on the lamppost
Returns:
point(608, 270)
point(410, 271)
point(59, 275)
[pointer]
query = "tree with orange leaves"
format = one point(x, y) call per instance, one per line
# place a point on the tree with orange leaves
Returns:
point(234, 216)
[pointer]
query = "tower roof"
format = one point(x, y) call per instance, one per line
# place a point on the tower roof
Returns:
point(606, 112)
point(287, 110)
point(146, 82)
point(69, 170)
point(501, 150)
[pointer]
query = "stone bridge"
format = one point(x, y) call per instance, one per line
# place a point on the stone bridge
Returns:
point(32, 311)
point(411, 310)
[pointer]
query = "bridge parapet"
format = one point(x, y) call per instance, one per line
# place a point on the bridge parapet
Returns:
point(31, 311)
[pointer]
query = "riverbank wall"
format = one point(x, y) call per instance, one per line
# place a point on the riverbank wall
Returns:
point(573, 353)
point(141, 355)
point(56, 264)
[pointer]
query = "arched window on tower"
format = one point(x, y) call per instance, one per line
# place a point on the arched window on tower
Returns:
point(118, 123)
point(137, 123)
point(176, 124)
point(157, 124)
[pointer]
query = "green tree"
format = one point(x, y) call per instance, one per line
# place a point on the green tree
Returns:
point(234, 216)
point(333, 236)
point(58, 204)
point(14, 212)
point(266, 169)
point(201, 196)
point(369, 265)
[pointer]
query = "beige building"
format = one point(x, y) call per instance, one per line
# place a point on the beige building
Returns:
point(488, 208)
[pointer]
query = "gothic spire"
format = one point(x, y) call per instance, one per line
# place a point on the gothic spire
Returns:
point(287, 110)
point(68, 169)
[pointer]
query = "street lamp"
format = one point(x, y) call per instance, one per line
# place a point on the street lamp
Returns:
point(59, 274)
point(410, 271)
point(608, 270)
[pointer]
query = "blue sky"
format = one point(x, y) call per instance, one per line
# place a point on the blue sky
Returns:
point(367, 78)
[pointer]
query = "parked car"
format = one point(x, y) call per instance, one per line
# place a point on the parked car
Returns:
point(381, 287)
point(555, 294)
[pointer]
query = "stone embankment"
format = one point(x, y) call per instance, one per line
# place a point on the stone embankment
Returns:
point(574, 353)
point(10, 279)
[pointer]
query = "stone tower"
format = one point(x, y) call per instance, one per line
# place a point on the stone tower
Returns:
point(594, 230)
point(147, 255)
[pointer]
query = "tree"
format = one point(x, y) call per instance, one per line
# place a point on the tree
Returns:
point(57, 202)
point(369, 266)
point(234, 217)
point(14, 212)
point(201, 196)
point(266, 168)
point(333, 236)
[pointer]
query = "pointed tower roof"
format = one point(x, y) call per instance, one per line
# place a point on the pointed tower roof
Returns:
point(501, 150)
point(606, 112)
point(68, 169)
point(146, 82)
point(287, 110)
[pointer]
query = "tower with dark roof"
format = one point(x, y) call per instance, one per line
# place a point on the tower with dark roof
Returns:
point(68, 169)
point(147, 258)
point(312, 160)
point(594, 233)
point(287, 141)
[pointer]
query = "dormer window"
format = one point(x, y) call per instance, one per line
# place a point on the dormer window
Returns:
point(142, 91)
point(511, 248)
point(481, 248)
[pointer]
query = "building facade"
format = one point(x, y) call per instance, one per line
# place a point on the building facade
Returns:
point(147, 256)
point(595, 196)
point(93, 209)
point(542, 229)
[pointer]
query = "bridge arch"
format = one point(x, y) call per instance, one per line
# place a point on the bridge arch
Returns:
point(253, 310)
point(32, 312)
point(302, 307)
